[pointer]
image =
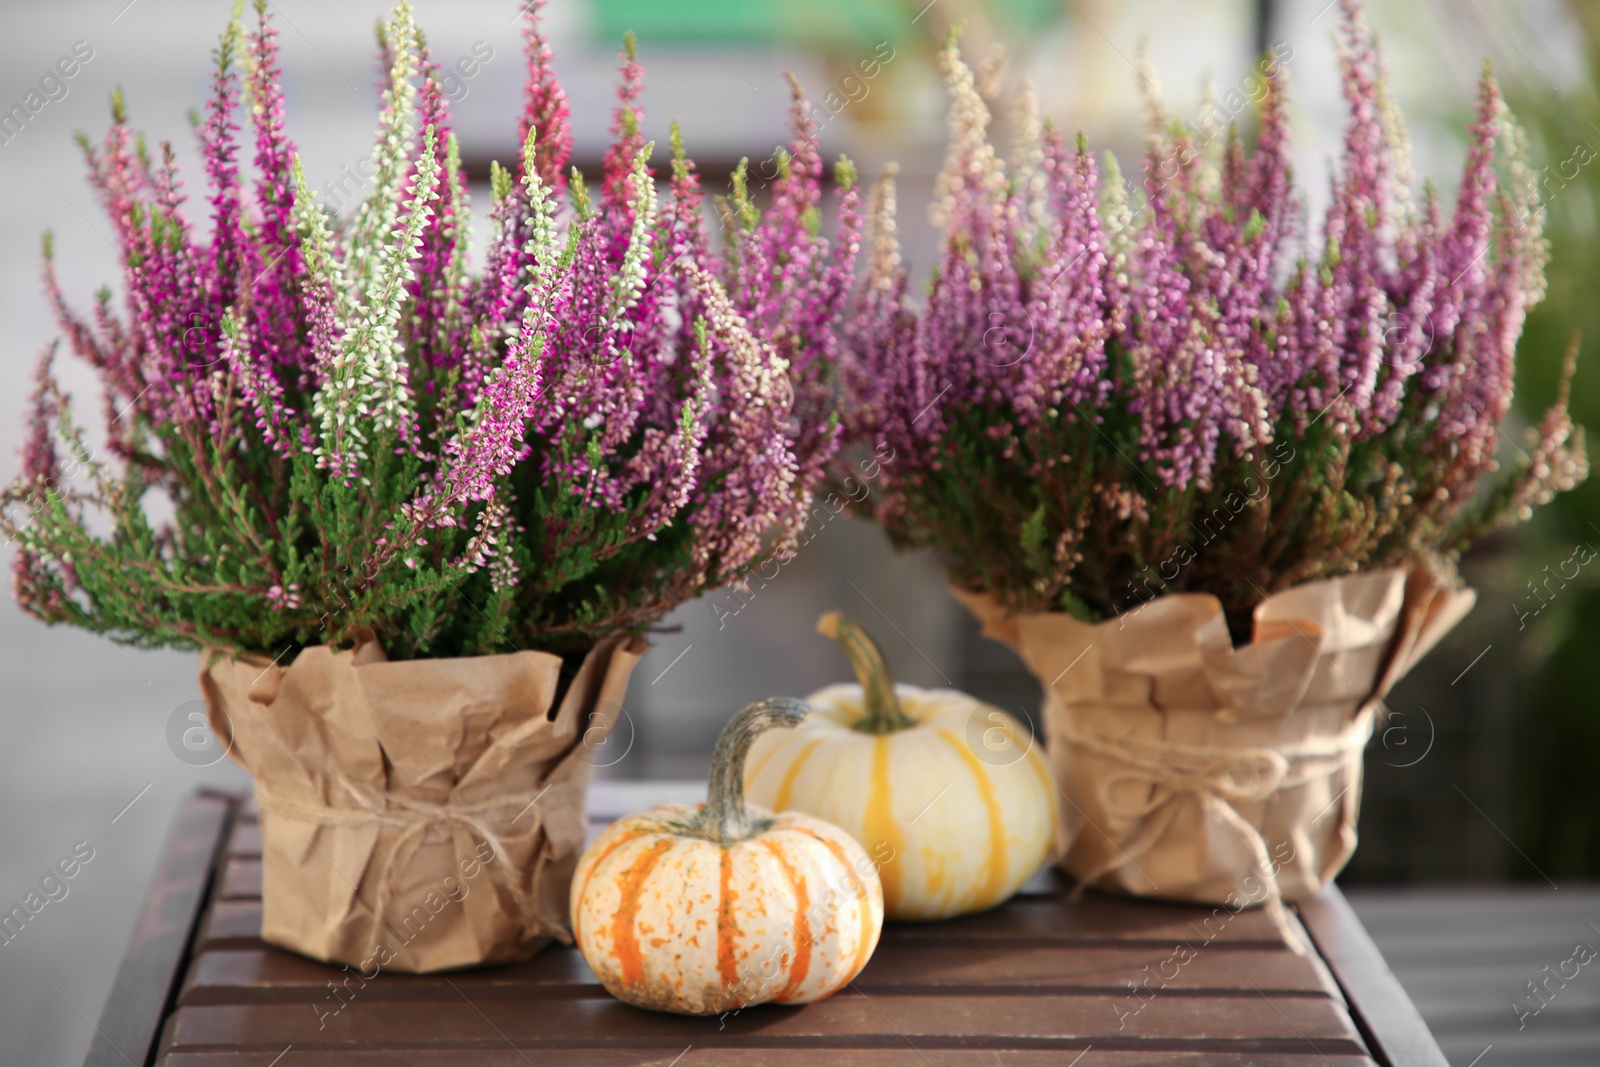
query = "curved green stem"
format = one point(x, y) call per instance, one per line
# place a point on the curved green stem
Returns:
point(725, 819)
point(884, 713)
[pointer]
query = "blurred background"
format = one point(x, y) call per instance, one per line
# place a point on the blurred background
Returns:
point(1485, 772)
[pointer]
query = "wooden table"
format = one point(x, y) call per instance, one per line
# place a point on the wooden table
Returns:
point(1040, 980)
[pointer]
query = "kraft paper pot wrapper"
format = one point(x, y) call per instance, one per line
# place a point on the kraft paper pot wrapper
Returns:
point(416, 815)
point(1193, 770)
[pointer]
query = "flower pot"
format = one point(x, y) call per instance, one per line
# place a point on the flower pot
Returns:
point(1195, 770)
point(417, 815)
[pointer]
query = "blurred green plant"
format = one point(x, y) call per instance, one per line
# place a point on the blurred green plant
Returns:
point(812, 23)
point(1556, 729)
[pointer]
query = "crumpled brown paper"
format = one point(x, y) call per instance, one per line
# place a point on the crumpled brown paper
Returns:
point(1193, 770)
point(416, 815)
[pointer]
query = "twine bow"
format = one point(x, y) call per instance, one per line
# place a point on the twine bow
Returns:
point(1219, 778)
point(415, 817)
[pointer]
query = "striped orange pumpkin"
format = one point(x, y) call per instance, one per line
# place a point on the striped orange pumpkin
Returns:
point(719, 907)
point(949, 795)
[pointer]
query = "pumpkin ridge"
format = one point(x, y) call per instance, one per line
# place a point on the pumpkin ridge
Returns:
point(864, 949)
point(630, 888)
point(727, 965)
point(588, 876)
point(1041, 771)
point(792, 773)
point(801, 965)
point(995, 876)
point(879, 824)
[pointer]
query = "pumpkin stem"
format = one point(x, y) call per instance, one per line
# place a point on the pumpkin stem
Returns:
point(884, 713)
point(725, 819)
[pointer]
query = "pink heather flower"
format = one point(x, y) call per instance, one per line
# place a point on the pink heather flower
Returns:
point(790, 282)
point(1088, 378)
point(275, 266)
point(357, 426)
point(1217, 347)
point(546, 104)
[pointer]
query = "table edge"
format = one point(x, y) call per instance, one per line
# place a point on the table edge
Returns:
point(1395, 1031)
point(146, 987)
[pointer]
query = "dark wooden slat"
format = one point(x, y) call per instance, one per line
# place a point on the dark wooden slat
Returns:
point(1391, 1024)
point(264, 974)
point(230, 922)
point(1100, 917)
point(709, 1055)
point(848, 1019)
point(1107, 968)
point(241, 879)
point(147, 979)
point(246, 842)
point(1097, 917)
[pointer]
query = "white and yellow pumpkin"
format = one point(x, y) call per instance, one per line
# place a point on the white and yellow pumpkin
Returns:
point(720, 907)
point(950, 797)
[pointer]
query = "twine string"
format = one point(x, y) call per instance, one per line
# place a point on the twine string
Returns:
point(1219, 778)
point(414, 817)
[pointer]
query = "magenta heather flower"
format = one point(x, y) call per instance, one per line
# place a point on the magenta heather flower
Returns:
point(1101, 400)
point(790, 282)
point(358, 430)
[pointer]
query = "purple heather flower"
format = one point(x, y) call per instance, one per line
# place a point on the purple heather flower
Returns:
point(321, 399)
point(1092, 369)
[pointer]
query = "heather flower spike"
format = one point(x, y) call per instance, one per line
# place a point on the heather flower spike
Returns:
point(1104, 398)
point(546, 104)
point(359, 429)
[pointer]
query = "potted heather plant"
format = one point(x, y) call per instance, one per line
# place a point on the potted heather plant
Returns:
point(421, 513)
point(1207, 480)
